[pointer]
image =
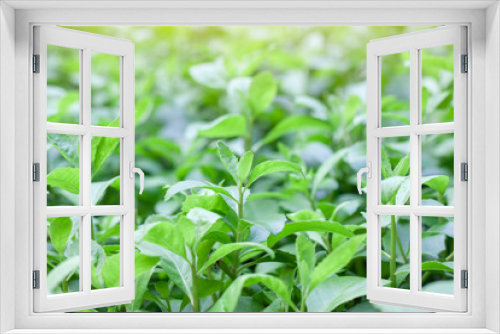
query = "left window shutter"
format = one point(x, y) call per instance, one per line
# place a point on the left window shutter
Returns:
point(84, 199)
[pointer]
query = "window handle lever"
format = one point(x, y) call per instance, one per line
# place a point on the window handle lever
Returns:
point(368, 171)
point(139, 171)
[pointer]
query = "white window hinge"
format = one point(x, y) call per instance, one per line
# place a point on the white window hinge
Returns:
point(465, 64)
point(36, 63)
point(465, 279)
point(36, 172)
point(36, 279)
point(464, 171)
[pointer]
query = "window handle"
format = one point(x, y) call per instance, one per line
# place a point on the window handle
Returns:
point(368, 171)
point(141, 175)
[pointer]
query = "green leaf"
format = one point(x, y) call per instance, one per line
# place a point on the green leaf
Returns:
point(68, 146)
point(294, 124)
point(203, 251)
point(403, 166)
point(144, 263)
point(335, 261)
point(141, 286)
point(312, 225)
point(306, 260)
point(429, 265)
point(208, 287)
point(214, 203)
point(59, 232)
point(262, 91)
point(226, 126)
point(304, 215)
point(163, 289)
point(224, 250)
point(168, 236)
point(390, 186)
point(244, 166)
point(229, 300)
point(98, 189)
point(268, 167)
point(65, 178)
point(61, 272)
point(102, 148)
point(437, 182)
point(403, 193)
point(386, 164)
point(228, 160)
point(110, 271)
point(177, 268)
point(185, 185)
point(334, 292)
point(203, 220)
point(274, 223)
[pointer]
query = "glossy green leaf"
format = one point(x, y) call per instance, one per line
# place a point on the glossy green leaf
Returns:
point(65, 178)
point(386, 167)
point(244, 166)
point(59, 232)
point(269, 167)
point(312, 225)
point(226, 126)
point(212, 75)
point(188, 185)
point(229, 160)
point(229, 300)
point(306, 260)
point(224, 250)
point(61, 272)
point(167, 236)
point(304, 215)
point(294, 124)
point(68, 146)
point(110, 271)
point(334, 292)
point(262, 91)
point(437, 182)
point(336, 260)
point(403, 166)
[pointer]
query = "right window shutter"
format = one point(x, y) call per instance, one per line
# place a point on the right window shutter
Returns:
point(417, 145)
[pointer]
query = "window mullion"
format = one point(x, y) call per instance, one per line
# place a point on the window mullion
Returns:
point(86, 173)
point(415, 242)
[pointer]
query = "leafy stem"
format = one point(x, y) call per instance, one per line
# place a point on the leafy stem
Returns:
point(393, 252)
point(236, 260)
point(194, 277)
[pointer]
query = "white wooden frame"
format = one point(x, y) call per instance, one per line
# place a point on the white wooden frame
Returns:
point(414, 43)
point(483, 19)
point(85, 43)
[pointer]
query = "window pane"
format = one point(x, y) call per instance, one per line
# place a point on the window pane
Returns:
point(63, 169)
point(437, 169)
point(395, 89)
point(63, 255)
point(105, 171)
point(437, 84)
point(63, 85)
point(437, 254)
point(395, 171)
point(105, 89)
point(395, 253)
point(105, 252)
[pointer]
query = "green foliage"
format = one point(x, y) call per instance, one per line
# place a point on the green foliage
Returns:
point(250, 141)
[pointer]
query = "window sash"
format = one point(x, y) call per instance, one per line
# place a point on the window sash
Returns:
point(413, 42)
point(86, 43)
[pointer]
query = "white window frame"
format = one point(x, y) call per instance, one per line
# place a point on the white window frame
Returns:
point(85, 43)
point(414, 43)
point(484, 103)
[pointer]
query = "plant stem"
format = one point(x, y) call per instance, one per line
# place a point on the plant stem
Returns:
point(194, 277)
point(393, 252)
point(236, 261)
